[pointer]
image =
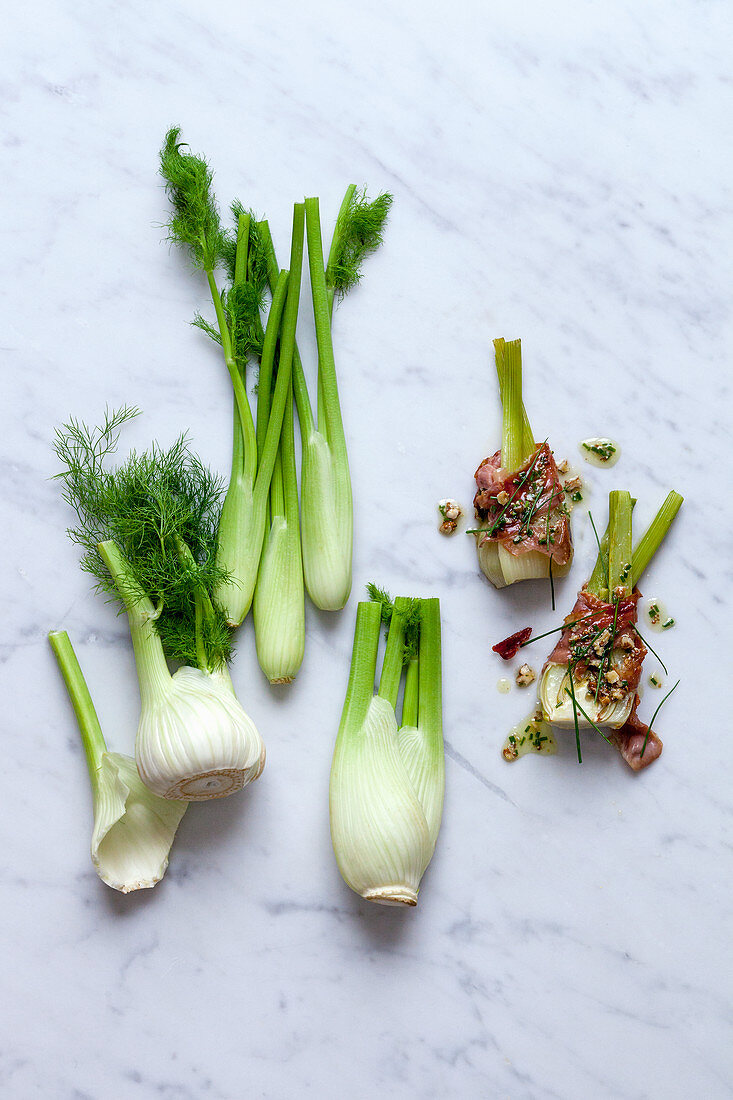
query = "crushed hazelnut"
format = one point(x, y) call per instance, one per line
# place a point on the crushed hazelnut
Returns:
point(451, 512)
point(612, 676)
point(525, 675)
point(625, 642)
point(502, 497)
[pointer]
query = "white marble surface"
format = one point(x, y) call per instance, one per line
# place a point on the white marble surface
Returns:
point(559, 174)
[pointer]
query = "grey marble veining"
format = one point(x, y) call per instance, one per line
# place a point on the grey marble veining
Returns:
point(560, 173)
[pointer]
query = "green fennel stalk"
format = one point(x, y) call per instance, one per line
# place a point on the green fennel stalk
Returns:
point(326, 496)
point(279, 609)
point(133, 828)
point(196, 226)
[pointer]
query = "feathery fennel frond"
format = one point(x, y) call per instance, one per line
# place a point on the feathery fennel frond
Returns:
point(408, 612)
point(243, 304)
point(359, 230)
point(382, 597)
point(255, 270)
point(211, 331)
point(161, 508)
point(194, 222)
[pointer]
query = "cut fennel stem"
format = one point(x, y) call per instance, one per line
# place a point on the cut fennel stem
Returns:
point(133, 828)
point(244, 514)
point(386, 787)
point(326, 495)
point(194, 740)
point(279, 598)
point(326, 512)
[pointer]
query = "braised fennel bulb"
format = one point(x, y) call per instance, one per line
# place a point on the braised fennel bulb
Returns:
point(387, 779)
point(591, 677)
point(326, 496)
point(133, 828)
point(524, 530)
point(149, 531)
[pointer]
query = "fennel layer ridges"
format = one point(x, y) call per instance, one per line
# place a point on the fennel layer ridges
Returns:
point(387, 779)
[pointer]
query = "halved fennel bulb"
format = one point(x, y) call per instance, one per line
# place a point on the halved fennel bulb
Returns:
point(503, 568)
point(557, 703)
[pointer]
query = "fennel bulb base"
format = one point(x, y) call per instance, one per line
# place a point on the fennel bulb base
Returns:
point(502, 568)
point(217, 783)
point(392, 895)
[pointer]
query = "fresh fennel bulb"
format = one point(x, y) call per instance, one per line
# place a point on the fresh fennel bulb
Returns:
point(194, 740)
point(133, 828)
point(149, 529)
point(387, 781)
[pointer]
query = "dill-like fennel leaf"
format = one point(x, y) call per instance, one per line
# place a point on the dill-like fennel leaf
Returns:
point(194, 223)
point(383, 598)
point(409, 613)
point(243, 303)
point(256, 268)
point(358, 232)
point(200, 322)
point(152, 506)
point(411, 618)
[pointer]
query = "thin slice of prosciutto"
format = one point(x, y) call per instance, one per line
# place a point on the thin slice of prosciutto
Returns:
point(638, 745)
point(533, 515)
point(590, 616)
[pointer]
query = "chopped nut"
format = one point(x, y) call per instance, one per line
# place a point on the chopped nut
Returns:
point(617, 694)
point(502, 497)
point(563, 466)
point(612, 676)
point(451, 512)
point(525, 675)
point(572, 484)
point(625, 642)
point(602, 641)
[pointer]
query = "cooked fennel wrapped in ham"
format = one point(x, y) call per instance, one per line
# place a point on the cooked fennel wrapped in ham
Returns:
point(520, 500)
point(591, 678)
